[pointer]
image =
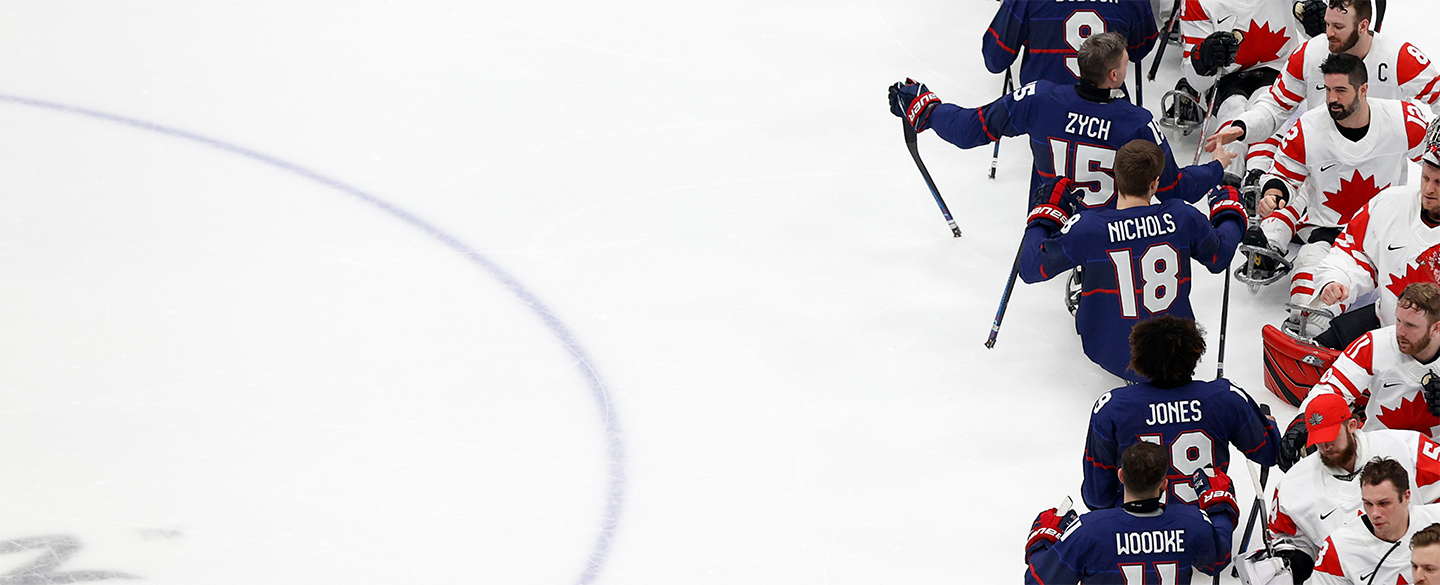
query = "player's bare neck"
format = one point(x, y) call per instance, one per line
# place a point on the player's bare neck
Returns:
point(1123, 201)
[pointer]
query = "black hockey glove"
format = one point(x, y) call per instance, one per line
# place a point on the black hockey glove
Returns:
point(1301, 565)
point(1225, 204)
point(1052, 203)
point(1046, 530)
point(911, 100)
point(1311, 14)
point(1216, 51)
point(1430, 387)
point(1292, 444)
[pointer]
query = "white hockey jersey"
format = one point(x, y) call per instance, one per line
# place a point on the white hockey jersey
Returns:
point(1374, 372)
point(1353, 555)
point(1313, 500)
point(1385, 246)
point(1397, 70)
point(1270, 29)
point(1331, 177)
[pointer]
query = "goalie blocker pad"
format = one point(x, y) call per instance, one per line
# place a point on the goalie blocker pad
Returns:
point(1293, 366)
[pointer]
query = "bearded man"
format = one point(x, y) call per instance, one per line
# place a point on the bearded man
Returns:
point(1331, 163)
point(1322, 492)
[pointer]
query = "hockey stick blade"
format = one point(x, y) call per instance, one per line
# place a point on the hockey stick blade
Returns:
point(910, 143)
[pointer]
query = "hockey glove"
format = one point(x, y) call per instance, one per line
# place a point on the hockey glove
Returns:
point(1046, 530)
point(1292, 444)
point(1225, 204)
point(1052, 203)
point(1300, 563)
point(1311, 14)
point(1215, 494)
point(911, 100)
point(1216, 51)
point(1430, 387)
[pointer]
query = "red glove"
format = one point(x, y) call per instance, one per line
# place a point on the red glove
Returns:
point(1225, 202)
point(1046, 530)
point(1052, 203)
point(1216, 494)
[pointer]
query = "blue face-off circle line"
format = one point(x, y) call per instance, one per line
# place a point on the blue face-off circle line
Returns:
point(613, 436)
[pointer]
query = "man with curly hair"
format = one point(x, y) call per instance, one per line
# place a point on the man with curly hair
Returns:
point(1195, 421)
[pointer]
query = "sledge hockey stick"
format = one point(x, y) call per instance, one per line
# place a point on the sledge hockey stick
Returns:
point(1257, 479)
point(1005, 298)
point(1224, 320)
point(915, 153)
point(1139, 87)
point(995, 158)
point(1210, 108)
point(1165, 40)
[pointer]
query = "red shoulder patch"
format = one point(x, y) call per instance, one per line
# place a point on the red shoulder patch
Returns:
point(1293, 144)
point(1295, 66)
point(1193, 11)
point(1414, 123)
point(1427, 466)
point(1329, 561)
point(1409, 64)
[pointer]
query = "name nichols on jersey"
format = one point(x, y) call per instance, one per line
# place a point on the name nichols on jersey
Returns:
point(1156, 541)
point(1141, 227)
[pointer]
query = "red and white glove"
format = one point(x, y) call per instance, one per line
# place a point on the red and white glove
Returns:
point(1216, 494)
point(1052, 203)
point(1046, 530)
point(1225, 202)
point(911, 100)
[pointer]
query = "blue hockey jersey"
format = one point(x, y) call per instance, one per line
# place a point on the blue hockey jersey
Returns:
point(1117, 546)
point(1051, 33)
point(1136, 266)
point(1196, 422)
point(1074, 132)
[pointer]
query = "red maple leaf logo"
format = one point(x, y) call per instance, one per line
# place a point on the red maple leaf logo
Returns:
point(1412, 414)
point(1261, 45)
point(1354, 193)
point(1423, 268)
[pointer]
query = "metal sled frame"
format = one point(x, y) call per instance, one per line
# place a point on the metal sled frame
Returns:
point(1305, 311)
point(1255, 283)
point(1171, 101)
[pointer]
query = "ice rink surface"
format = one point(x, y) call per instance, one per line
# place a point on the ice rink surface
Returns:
point(544, 293)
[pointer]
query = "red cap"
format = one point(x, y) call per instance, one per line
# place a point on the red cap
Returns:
point(1324, 417)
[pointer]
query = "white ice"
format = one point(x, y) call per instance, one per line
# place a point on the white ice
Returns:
point(256, 327)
